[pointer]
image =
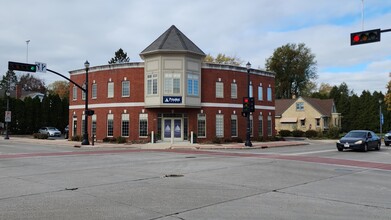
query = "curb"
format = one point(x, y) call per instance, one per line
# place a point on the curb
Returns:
point(179, 146)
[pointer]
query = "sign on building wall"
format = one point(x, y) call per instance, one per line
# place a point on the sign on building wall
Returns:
point(172, 99)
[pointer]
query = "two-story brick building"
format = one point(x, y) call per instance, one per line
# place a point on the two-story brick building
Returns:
point(172, 93)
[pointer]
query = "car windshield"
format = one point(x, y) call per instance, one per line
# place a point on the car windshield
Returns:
point(52, 128)
point(356, 134)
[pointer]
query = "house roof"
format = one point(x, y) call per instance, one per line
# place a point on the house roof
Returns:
point(172, 40)
point(282, 105)
point(324, 106)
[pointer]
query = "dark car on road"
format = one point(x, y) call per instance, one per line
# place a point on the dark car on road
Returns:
point(387, 138)
point(363, 140)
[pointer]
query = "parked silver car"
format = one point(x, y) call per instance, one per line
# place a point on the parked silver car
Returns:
point(387, 138)
point(50, 131)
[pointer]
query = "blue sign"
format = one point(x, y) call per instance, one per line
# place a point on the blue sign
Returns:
point(172, 99)
point(382, 118)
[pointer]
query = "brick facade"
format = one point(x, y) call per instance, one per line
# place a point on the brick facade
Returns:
point(133, 105)
point(174, 93)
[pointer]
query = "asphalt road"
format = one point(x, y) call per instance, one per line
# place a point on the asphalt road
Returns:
point(315, 181)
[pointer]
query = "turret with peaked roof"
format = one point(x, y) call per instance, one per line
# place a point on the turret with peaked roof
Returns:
point(172, 41)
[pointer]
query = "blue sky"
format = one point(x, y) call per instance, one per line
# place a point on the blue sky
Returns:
point(64, 34)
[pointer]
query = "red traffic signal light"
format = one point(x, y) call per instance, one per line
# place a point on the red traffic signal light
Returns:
point(246, 104)
point(364, 37)
point(26, 67)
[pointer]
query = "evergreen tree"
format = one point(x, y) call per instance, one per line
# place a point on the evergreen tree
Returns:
point(120, 57)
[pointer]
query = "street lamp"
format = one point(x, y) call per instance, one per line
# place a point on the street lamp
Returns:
point(380, 118)
point(85, 134)
point(7, 93)
point(248, 141)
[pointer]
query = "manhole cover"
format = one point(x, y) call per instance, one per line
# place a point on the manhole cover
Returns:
point(71, 189)
point(173, 175)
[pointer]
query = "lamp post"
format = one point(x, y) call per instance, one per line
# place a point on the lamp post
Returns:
point(85, 133)
point(380, 118)
point(7, 119)
point(248, 141)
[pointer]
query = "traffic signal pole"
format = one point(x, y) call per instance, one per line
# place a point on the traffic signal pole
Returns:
point(26, 67)
point(77, 85)
point(248, 140)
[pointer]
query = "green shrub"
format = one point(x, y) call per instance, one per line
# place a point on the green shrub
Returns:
point(275, 138)
point(333, 133)
point(121, 140)
point(109, 140)
point(40, 136)
point(218, 140)
point(260, 139)
point(311, 133)
point(285, 133)
point(237, 140)
point(320, 134)
point(297, 133)
point(76, 138)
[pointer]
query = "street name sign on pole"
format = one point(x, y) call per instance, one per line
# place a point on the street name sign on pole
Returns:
point(7, 117)
point(41, 67)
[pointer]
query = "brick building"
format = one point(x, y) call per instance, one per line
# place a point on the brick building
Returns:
point(172, 93)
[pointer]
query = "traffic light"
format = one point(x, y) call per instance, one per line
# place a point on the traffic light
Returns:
point(26, 67)
point(246, 104)
point(364, 37)
point(90, 112)
point(252, 104)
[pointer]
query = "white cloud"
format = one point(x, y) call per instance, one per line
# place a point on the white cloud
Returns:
point(66, 33)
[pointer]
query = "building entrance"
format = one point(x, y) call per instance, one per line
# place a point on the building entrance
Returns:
point(172, 127)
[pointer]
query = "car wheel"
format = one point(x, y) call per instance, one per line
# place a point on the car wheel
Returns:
point(378, 146)
point(387, 144)
point(340, 148)
point(365, 149)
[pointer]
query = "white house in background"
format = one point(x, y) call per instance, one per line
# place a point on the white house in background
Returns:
point(306, 114)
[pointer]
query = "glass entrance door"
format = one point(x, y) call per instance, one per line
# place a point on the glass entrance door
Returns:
point(172, 129)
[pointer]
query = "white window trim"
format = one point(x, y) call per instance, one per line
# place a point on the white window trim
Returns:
point(234, 90)
point(218, 132)
point(127, 83)
point(110, 89)
point(74, 95)
point(94, 91)
point(219, 90)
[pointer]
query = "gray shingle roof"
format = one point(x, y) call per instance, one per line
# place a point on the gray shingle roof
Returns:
point(172, 40)
point(324, 106)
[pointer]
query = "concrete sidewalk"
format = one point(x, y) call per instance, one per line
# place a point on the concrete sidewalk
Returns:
point(159, 145)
